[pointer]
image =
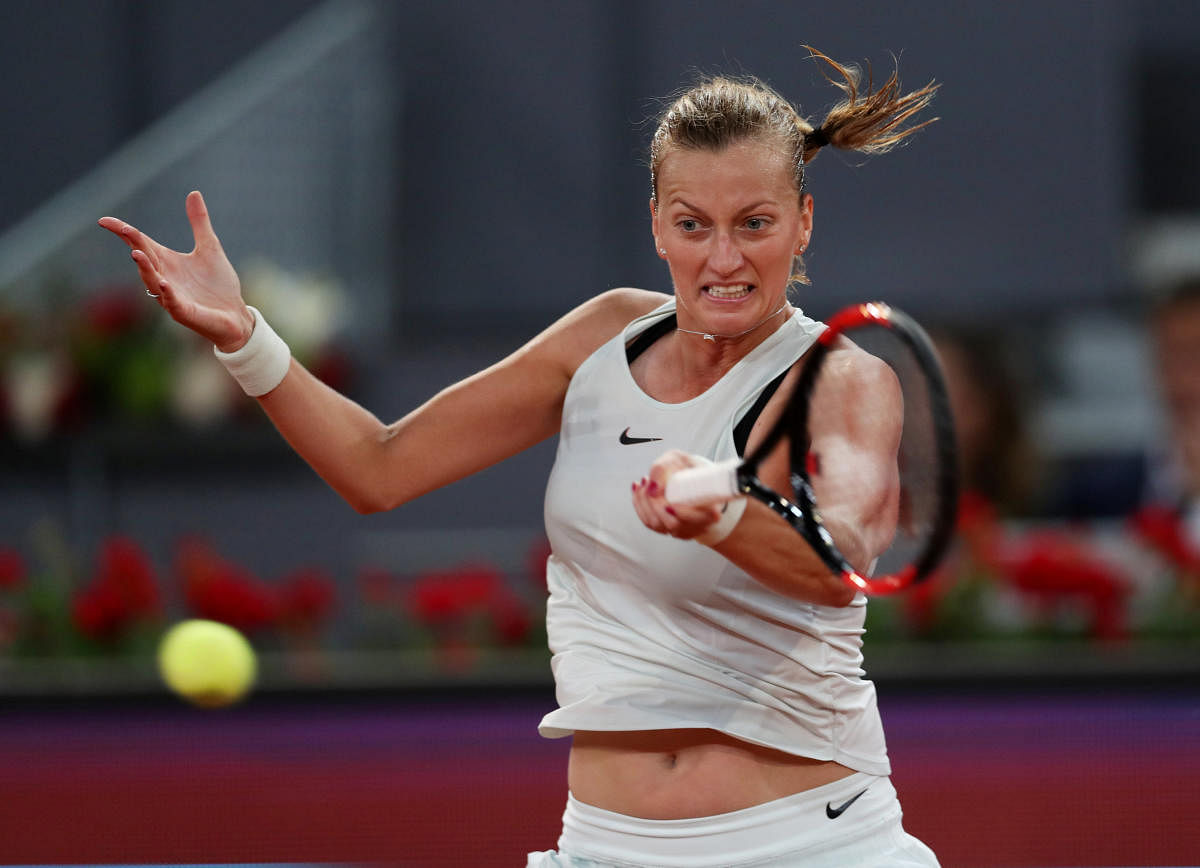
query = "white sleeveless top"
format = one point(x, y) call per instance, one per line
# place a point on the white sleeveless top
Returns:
point(651, 632)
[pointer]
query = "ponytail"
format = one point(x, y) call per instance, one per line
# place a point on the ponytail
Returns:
point(871, 121)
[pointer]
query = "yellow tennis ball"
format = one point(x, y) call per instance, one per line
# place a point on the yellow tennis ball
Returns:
point(208, 663)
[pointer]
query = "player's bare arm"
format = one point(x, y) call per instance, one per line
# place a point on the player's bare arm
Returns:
point(855, 434)
point(466, 427)
point(375, 466)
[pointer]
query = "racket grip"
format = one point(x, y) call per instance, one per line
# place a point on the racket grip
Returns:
point(707, 483)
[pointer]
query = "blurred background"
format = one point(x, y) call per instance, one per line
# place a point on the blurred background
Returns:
point(410, 191)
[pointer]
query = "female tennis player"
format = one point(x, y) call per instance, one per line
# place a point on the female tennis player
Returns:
point(707, 664)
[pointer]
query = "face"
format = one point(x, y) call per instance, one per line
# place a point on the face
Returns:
point(728, 223)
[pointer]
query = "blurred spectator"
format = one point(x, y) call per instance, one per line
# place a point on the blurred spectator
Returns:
point(1054, 584)
point(998, 476)
point(1174, 332)
point(997, 461)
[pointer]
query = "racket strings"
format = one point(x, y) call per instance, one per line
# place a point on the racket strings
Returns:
point(918, 503)
point(908, 538)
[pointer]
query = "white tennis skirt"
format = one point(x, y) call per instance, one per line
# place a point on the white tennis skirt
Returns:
point(855, 821)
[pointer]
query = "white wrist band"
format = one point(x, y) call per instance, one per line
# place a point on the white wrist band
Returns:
point(262, 362)
point(723, 526)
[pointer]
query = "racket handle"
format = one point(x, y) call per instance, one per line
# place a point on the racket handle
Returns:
point(707, 483)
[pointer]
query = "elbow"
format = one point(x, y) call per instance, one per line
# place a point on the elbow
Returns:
point(372, 503)
point(365, 488)
point(364, 507)
point(367, 501)
point(840, 593)
point(819, 587)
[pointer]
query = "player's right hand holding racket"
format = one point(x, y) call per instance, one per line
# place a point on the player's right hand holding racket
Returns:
point(921, 507)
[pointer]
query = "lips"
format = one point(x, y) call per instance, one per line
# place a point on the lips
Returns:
point(728, 292)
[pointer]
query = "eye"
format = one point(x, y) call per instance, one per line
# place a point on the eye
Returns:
point(687, 224)
point(756, 223)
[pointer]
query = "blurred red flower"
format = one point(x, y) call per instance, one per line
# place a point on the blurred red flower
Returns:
point(921, 601)
point(114, 310)
point(1050, 567)
point(306, 598)
point(539, 553)
point(220, 590)
point(99, 613)
point(446, 595)
point(451, 600)
point(1161, 528)
point(12, 569)
point(977, 530)
point(126, 567)
point(511, 619)
point(123, 591)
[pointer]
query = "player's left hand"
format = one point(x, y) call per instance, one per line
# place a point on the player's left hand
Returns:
point(200, 290)
point(649, 500)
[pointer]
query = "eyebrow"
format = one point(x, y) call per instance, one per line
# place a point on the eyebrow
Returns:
point(675, 200)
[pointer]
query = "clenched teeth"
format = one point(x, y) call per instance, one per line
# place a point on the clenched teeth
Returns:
point(736, 290)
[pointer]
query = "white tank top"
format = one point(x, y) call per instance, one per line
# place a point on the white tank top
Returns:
point(651, 632)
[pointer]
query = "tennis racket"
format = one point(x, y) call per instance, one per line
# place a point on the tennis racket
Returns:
point(926, 456)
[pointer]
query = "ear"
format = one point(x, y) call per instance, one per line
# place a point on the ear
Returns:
point(806, 224)
point(658, 248)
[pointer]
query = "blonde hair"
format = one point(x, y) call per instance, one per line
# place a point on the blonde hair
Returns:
point(720, 110)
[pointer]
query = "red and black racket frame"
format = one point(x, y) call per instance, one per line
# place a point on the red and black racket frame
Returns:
point(803, 513)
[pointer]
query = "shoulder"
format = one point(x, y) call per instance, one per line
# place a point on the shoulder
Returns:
point(611, 311)
point(589, 326)
point(845, 367)
point(857, 392)
point(852, 367)
point(852, 386)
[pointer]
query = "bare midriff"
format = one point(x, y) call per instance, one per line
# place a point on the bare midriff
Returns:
point(676, 774)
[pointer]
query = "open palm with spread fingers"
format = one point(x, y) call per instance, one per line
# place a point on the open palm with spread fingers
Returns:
point(200, 289)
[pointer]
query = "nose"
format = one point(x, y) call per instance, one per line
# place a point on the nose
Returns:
point(725, 257)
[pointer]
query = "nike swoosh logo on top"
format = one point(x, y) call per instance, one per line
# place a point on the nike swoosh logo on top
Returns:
point(626, 440)
point(833, 813)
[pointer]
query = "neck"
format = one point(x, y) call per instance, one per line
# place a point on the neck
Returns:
point(714, 337)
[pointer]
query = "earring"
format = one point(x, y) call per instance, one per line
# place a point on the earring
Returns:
point(663, 251)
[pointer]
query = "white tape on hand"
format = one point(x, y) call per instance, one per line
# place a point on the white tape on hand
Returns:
point(723, 526)
point(262, 362)
point(704, 482)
